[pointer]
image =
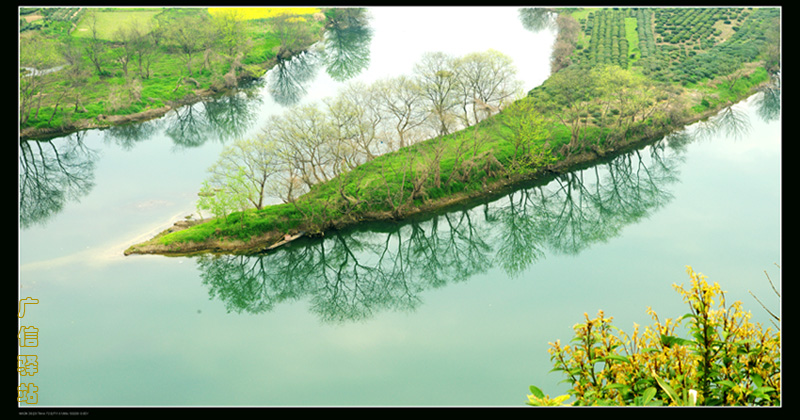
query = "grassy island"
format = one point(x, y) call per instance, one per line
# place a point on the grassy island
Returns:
point(621, 78)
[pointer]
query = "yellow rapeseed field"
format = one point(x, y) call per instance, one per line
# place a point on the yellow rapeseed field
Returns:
point(249, 13)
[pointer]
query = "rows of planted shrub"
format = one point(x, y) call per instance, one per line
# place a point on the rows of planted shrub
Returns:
point(607, 42)
point(744, 46)
point(64, 16)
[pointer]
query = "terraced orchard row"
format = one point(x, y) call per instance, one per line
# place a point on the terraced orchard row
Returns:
point(682, 45)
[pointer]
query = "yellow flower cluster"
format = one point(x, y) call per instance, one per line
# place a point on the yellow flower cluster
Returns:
point(729, 359)
point(250, 13)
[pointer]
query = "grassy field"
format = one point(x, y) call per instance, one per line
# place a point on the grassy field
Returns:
point(109, 20)
point(114, 93)
point(254, 13)
point(633, 39)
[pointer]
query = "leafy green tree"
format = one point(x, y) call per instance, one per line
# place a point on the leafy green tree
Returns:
point(222, 200)
point(527, 134)
point(215, 200)
point(251, 163)
point(567, 95)
point(230, 34)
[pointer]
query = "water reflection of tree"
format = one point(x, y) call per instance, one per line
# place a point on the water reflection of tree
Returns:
point(220, 118)
point(51, 173)
point(187, 126)
point(230, 116)
point(288, 80)
point(346, 44)
point(521, 240)
point(344, 52)
point(353, 275)
point(732, 122)
point(536, 19)
point(768, 102)
point(127, 136)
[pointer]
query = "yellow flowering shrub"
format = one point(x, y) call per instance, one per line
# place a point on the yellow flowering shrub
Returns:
point(726, 361)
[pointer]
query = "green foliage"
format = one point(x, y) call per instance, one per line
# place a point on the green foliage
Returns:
point(218, 200)
point(527, 136)
point(726, 360)
point(681, 45)
point(608, 42)
point(164, 83)
point(110, 20)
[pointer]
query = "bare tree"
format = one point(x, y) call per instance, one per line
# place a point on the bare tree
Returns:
point(75, 74)
point(95, 48)
point(401, 100)
point(568, 29)
point(358, 117)
point(125, 38)
point(36, 53)
point(487, 81)
point(143, 48)
point(187, 36)
point(437, 76)
point(304, 138)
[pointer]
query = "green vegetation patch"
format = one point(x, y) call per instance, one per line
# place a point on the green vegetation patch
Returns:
point(123, 61)
point(109, 21)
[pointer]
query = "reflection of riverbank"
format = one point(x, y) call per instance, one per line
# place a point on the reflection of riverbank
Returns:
point(108, 121)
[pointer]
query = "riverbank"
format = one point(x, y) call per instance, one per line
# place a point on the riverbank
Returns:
point(265, 241)
point(124, 77)
point(112, 120)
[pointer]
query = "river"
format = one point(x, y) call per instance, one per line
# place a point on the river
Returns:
point(454, 309)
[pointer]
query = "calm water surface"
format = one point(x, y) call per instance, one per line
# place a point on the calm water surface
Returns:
point(454, 309)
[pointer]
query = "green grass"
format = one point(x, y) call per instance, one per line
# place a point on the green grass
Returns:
point(109, 20)
point(167, 69)
point(583, 13)
point(633, 39)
